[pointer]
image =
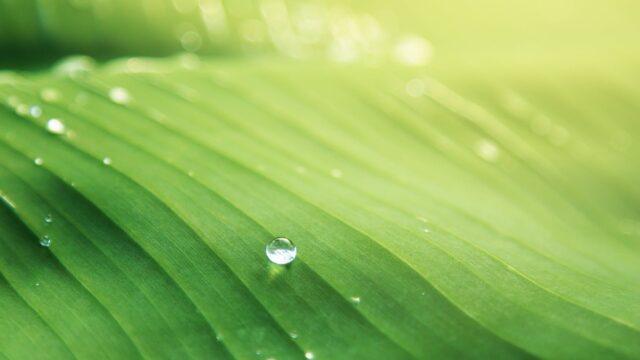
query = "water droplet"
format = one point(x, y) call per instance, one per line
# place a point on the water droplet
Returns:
point(412, 50)
point(35, 111)
point(355, 300)
point(219, 337)
point(191, 41)
point(48, 219)
point(426, 230)
point(415, 87)
point(309, 355)
point(37, 284)
point(336, 173)
point(13, 101)
point(281, 251)
point(119, 95)
point(50, 95)
point(191, 173)
point(45, 241)
point(22, 109)
point(38, 161)
point(293, 335)
point(55, 126)
point(107, 161)
point(74, 66)
point(487, 150)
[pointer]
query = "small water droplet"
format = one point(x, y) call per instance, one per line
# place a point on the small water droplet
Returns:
point(50, 95)
point(35, 111)
point(38, 161)
point(281, 251)
point(107, 161)
point(219, 337)
point(191, 41)
point(488, 150)
point(22, 109)
point(75, 66)
point(426, 230)
point(309, 355)
point(293, 335)
point(37, 284)
point(45, 241)
point(336, 173)
point(48, 219)
point(191, 173)
point(55, 126)
point(355, 300)
point(119, 95)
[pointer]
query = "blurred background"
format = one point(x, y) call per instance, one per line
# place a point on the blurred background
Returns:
point(472, 33)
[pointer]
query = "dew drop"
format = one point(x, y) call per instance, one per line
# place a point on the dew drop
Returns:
point(191, 41)
point(45, 241)
point(37, 284)
point(38, 161)
point(50, 95)
point(355, 300)
point(107, 161)
point(119, 95)
point(55, 126)
point(487, 150)
point(22, 109)
point(281, 251)
point(35, 111)
point(48, 219)
point(293, 335)
point(309, 355)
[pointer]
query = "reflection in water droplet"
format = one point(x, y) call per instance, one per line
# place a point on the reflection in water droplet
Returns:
point(309, 355)
point(412, 50)
point(119, 95)
point(35, 111)
point(281, 251)
point(488, 150)
point(107, 161)
point(48, 219)
point(38, 161)
point(55, 126)
point(45, 241)
point(293, 335)
point(355, 300)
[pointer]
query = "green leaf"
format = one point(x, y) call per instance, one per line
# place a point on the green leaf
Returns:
point(438, 212)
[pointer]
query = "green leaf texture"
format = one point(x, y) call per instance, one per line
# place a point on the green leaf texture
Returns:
point(452, 211)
